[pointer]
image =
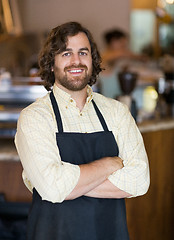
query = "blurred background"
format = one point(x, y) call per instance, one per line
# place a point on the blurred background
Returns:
point(136, 41)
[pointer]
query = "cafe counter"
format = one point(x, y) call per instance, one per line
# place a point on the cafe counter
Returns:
point(151, 216)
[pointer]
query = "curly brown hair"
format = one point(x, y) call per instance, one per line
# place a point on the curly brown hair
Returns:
point(56, 43)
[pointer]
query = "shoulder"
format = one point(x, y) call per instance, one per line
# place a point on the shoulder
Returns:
point(109, 104)
point(114, 112)
point(40, 109)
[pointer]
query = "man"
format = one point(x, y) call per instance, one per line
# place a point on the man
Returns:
point(81, 152)
point(117, 47)
point(116, 57)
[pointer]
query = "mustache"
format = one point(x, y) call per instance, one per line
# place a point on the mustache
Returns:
point(75, 66)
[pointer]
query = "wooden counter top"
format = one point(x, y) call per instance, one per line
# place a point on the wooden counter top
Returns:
point(8, 150)
point(156, 125)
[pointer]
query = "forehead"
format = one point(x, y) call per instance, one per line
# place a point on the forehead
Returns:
point(78, 41)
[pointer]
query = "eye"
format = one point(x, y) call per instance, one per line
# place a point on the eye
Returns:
point(83, 53)
point(66, 54)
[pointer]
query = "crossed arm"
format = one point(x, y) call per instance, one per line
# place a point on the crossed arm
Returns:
point(93, 180)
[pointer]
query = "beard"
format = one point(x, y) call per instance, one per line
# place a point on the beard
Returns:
point(72, 83)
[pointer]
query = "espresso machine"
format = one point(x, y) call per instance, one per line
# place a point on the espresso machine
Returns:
point(166, 90)
point(127, 80)
point(166, 84)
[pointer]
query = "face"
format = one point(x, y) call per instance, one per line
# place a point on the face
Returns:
point(120, 44)
point(73, 67)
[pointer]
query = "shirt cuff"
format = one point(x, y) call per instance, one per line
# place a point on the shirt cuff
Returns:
point(121, 181)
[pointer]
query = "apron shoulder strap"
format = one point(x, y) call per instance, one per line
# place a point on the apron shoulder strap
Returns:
point(100, 116)
point(57, 113)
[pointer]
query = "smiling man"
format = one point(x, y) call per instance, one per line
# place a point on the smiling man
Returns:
point(73, 67)
point(81, 152)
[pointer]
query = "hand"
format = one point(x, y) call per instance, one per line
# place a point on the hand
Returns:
point(116, 163)
point(111, 164)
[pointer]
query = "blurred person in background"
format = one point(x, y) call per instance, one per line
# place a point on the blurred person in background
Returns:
point(117, 46)
point(81, 152)
point(116, 56)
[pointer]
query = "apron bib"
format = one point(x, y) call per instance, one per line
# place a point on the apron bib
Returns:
point(83, 218)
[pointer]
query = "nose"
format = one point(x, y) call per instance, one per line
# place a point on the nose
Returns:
point(75, 59)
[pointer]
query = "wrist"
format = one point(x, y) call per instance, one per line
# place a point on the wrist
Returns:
point(114, 164)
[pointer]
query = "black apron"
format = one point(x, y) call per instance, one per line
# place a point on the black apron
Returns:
point(84, 218)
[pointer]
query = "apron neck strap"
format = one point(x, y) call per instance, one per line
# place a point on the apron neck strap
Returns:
point(100, 116)
point(58, 116)
point(57, 113)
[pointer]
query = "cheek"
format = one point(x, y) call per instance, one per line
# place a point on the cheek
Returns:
point(60, 67)
point(60, 63)
point(89, 63)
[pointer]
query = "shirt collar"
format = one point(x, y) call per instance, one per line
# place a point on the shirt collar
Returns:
point(65, 98)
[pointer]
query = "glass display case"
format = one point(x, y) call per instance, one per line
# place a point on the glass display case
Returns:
point(13, 99)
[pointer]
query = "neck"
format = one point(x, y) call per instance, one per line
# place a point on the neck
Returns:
point(79, 96)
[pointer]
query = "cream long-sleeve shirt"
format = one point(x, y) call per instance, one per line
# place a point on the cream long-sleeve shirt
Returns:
point(53, 178)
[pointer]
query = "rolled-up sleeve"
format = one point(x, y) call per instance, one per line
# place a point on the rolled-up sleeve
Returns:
point(134, 177)
point(35, 141)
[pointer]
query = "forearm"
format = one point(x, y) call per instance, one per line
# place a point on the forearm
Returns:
point(107, 190)
point(94, 174)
